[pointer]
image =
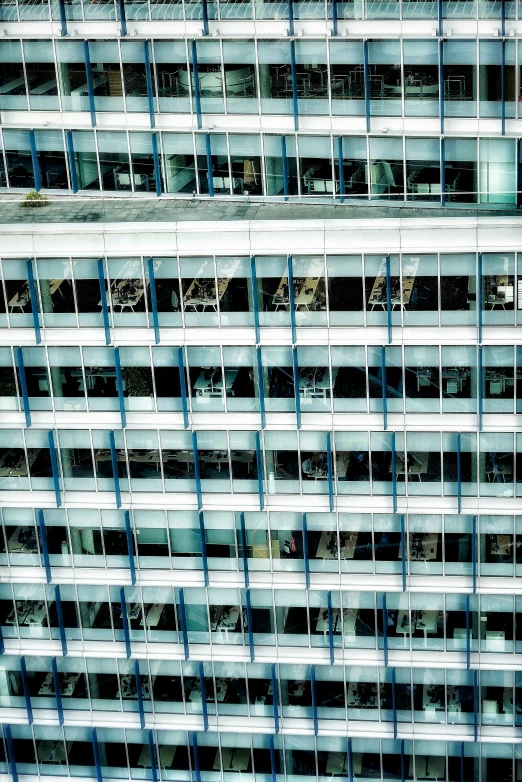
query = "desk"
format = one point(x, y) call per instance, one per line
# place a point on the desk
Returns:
point(419, 620)
point(154, 613)
point(423, 546)
point(315, 466)
point(322, 620)
point(281, 296)
point(316, 382)
point(305, 295)
point(243, 457)
point(419, 464)
point(489, 707)
point(21, 299)
point(328, 546)
point(501, 545)
point(125, 294)
point(453, 698)
point(6, 89)
point(128, 687)
point(495, 641)
point(426, 180)
point(166, 756)
point(234, 759)
point(214, 457)
point(433, 697)
point(23, 540)
point(261, 551)
point(349, 621)
point(363, 695)
point(51, 752)
point(203, 294)
point(428, 767)
point(230, 377)
point(223, 618)
point(68, 684)
point(455, 377)
point(398, 298)
point(337, 763)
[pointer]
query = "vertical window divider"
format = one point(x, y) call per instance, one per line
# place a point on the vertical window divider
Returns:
point(503, 16)
point(350, 758)
point(183, 387)
point(503, 77)
point(54, 467)
point(96, 754)
point(203, 546)
point(335, 29)
point(43, 545)
point(441, 75)
point(330, 470)
point(314, 699)
point(261, 387)
point(70, 152)
point(34, 160)
point(459, 473)
point(63, 18)
point(479, 298)
point(284, 165)
point(403, 763)
point(148, 78)
point(90, 84)
point(157, 167)
point(103, 298)
point(123, 18)
point(255, 303)
point(275, 698)
point(203, 688)
point(442, 171)
point(385, 629)
point(394, 703)
point(2, 644)
point(152, 283)
point(305, 552)
point(340, 154)
point(210, 168)
point(183, 619)
point(242, 532)
point(25, 685)
point(296, 387)
point(197, 95)
point(389, 298)
point(272, 758)
point(23, 385)
point(34, 301)
point(125, 622)
point(61, 623)
point(57, 690)
point(294, 70)
point(394, 471)
point(474, 552)
point(260, 476)
point(130, 547)
point(439, 17)
point(479, 388)
point(366, 71)
point(468, 634)
point(403, 553)
point(137, 676)
point(475, 705)
point(119, 385)
point(204, 14)
point(115, 474)
point(330, 627)
point(195, 750)
point(290, 17)
point(250, 629)
point(196, 471)
point(462, 761)
point(291, 297)
point(384, 388)
point(152, 752)
point(10, 752)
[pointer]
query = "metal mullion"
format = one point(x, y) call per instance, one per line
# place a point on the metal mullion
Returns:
point(53, 41)
point(26, 80)
point(153, 381)
point(100, 180)
point(366, 378)
point(231, 188)
point(5, 161)
point(28, 471)
point(368, 184)
point(298, 166)
point(263, 172)
point(75, 298)
point(131, 165)
point(403, 92)
point(222, 66)
point(196, 166)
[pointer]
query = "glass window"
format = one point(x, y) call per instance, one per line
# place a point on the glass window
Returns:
point(138, 389)
point(498, 288)
point(126, 296)
point(114, 160)
point(311, 73)
point(490, 63)
point(498, 385)
point(144, 175)
point(273, 296)
point(345, 293)
point(459, 378)
point(278, 378)
point(206, 378)
point(235, 291)
point(460, 79)
point(353, 152)
point(468, 463)
point(85, 160)
point(8, 389)
point(275, 77)
point(315, 163)
point(240, 76)
point(496, 464)
point(280, 180)
point(422, 379)
point(167, 381)
point(168, 297)
point(67, 379)
point(241, 376)
point(210, 77)
point(76, 460)
point(352, 463)
point(144, 460)
point(72, 75)
point(458, 546)
point(282, 462)
point(460, 172)
point(37, 378)
point(385, 85)
point(106, 75)
point(458, 289)
point(213, 456)
point(213, 152)
point(424, 555)
point(13, 94)
point(347, 78)
point(497, 171)
point(178, 461)
point(41, 75)
point(423, 176)
point(421, 78)
point(245, 160)
point(18, 158)
point(243, 457)
point(180, 168)
point(171, 69)
point(198, 288)
point(100, 378)
point(386, 169)
point(134, 75)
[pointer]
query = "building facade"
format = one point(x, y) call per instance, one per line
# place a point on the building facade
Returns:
point(260, 488)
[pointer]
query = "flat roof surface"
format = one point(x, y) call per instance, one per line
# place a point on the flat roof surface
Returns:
point(137, 210)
